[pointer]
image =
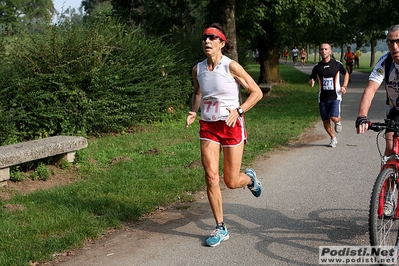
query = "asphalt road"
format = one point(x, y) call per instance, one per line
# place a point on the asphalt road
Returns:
point(313, 196)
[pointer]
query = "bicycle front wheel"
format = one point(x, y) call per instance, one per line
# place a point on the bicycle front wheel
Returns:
point(383, 227)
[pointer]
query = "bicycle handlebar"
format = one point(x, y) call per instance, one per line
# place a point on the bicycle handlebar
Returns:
point(388, 124)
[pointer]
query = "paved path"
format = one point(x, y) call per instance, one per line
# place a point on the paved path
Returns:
point(313, 195)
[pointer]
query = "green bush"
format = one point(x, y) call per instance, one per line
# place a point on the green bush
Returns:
point(87, 78)
point(41, 173)
point(64, 164)
point(16, 175)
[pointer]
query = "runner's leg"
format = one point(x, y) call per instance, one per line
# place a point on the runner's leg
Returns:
point(210, 155)
point(233, 178)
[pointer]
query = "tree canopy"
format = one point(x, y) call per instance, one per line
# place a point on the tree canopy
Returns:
point(269, 25)
point(22, 12)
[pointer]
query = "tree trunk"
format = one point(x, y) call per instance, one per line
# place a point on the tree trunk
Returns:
point(343, 49)
point(373, 44)
point(228, 21)
point(269, 64)
point(316, 59)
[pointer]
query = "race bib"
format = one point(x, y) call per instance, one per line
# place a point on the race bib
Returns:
point(328, 84)
point(210, 109)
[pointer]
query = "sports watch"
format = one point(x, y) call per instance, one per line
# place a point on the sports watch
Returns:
point(240, 111)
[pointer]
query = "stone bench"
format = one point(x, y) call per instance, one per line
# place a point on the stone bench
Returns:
point(64, 147)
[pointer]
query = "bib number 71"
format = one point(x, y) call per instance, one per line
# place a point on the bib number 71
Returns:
point(210, 109)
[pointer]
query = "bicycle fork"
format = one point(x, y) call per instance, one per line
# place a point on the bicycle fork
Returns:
point(388, 190)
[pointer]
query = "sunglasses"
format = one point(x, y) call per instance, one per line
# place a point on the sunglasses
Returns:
point(210, 36)
point(392, 42)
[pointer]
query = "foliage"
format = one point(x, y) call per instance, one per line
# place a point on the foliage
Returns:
point(156, 17)
point(284, 22)
point(87, 78)
point(16, 175)
point(90, 5)
point(41, 172)
point(64, 164)
point(268, 25)
point(271, 25)
point(16, 13)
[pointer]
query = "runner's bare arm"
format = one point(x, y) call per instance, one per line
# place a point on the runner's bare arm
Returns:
point(195, 99)
point(248, 83)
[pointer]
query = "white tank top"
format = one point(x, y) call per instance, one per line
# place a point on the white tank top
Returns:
point(219, 90)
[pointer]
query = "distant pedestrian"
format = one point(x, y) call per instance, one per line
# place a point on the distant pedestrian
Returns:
point(295, 53)
point(349, 59)
point(303, 57)
point(256, 56)
point(285, 54)
point(358, 54)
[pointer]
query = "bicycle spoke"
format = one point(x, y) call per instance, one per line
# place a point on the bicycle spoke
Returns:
point(385, 229)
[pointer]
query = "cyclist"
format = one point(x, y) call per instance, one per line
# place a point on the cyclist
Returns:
point(376, 77)
point(387, 68)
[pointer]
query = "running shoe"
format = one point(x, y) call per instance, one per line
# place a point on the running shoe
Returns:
point(333, 143)
point(218, 235)
point(338, 127)
point(256, 187)
point(389, 208)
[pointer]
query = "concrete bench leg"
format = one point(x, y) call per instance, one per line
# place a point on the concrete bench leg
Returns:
point(4, 174)
point(70, 157)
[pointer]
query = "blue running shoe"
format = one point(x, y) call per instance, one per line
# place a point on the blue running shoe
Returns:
point(256, 188)
point(218, 235)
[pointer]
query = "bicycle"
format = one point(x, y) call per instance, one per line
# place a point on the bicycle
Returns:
point(384, 211)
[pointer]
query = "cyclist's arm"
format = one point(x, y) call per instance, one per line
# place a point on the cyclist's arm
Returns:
point(365, 103)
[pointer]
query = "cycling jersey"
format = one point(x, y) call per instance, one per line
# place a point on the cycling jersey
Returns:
point(392, 84)
point(219, 90)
